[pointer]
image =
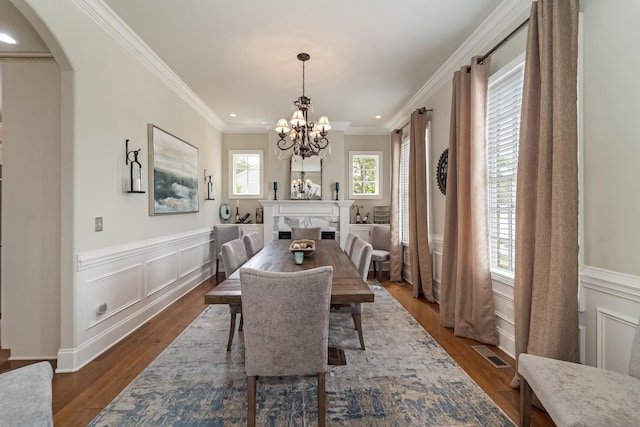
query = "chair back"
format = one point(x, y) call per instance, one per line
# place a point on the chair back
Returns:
point(298, 233)
point(380, 237)
point(234, 255)
point(286, 321)
point(361, 257)
point(252, 243)
point(223, 234)
point(634, 365)
point(348, 244)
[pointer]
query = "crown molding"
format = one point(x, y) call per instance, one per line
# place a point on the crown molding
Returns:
point(104, 16)
point(492, 27)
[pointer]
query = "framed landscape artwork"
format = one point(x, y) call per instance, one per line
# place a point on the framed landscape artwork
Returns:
point(173, 180)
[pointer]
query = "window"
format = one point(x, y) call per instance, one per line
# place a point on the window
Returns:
point(503, 130)
point(404, 192)
point(246, 174)
point(366, 174)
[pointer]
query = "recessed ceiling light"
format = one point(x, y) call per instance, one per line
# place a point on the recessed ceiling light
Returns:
point(233, 114)
point(378, 117)
point(7, 39)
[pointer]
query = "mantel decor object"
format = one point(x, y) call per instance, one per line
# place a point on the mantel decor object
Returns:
point(337, 189)
point(135, 169)
point(209, 185)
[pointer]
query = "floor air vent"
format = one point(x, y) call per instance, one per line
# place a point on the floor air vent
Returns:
point(491, 356)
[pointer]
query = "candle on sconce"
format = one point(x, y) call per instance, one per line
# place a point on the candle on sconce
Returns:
point(275, 185)
point(337, 186)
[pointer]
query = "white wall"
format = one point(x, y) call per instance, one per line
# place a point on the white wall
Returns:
point(610, 273)
point(31, 209)
point(107, 95)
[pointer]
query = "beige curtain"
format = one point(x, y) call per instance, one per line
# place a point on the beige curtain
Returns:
point(546, 265)
point(418, 215)
point(466, 295)
point(395, 246)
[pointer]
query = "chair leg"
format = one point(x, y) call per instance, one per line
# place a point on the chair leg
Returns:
point(375, 271)
point(526, 396)
point(322, 400)
point(241, 322)
point(232, 329)
point(217, 267)
point(251, 401)
point(357, 319)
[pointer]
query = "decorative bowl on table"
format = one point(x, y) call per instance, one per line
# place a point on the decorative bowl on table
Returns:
point(307, 247)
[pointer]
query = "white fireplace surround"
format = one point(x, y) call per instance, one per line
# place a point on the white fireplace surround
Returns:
point(280, 214)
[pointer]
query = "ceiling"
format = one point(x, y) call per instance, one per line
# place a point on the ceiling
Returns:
point(239, 56)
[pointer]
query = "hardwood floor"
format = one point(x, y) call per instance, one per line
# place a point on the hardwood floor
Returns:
point(78, 397)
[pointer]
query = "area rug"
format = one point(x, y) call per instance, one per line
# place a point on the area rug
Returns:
point(403, 378)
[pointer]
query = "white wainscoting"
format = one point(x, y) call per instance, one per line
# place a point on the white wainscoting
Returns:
point(610, 303)
point(135, 281)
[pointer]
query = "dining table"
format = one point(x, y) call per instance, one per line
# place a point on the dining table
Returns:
point(348, 287)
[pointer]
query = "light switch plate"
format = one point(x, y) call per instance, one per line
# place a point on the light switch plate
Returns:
point(98, 223)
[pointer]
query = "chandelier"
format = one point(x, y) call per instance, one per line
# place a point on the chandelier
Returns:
point(306, 138)
point(301, 187)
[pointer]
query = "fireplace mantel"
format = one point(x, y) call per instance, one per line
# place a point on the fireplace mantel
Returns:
point(305, 212)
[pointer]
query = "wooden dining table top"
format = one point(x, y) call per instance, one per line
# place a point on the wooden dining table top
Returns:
point(347, 286)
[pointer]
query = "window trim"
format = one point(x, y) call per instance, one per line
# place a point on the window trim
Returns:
point(498, 274)
point(232, 174)
point(379, 174)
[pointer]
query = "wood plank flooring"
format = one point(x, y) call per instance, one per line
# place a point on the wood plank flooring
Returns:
point(78, 397)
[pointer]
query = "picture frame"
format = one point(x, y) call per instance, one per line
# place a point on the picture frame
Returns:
point(173, 177)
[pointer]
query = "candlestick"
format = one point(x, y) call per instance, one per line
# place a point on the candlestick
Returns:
point(337, 189)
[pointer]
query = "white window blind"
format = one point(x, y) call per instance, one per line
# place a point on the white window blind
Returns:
point(404, 192)
point(503, 130)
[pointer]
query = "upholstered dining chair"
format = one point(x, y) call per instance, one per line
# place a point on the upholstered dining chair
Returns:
point(252, 243)
point(380, 237)
point(314, 233)
point(234, 254)
point(348, 244)
point(361, 258)
point(286, 328)
point(221, 235)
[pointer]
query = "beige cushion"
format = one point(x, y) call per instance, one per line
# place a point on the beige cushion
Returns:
point(580, 395)
point(286, 321)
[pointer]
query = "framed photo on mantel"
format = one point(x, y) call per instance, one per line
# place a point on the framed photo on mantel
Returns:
point(173, 180)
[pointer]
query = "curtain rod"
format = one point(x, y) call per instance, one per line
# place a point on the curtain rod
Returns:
point(502, 42)
point(420, 111)
point(26, 55)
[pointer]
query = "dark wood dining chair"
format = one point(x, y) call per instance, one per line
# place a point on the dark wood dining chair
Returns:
point(286, 330)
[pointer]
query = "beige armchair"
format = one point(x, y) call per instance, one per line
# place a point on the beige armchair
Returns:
point(581, 395)
point(286, 328)
point(234, 254)
point(380, 239)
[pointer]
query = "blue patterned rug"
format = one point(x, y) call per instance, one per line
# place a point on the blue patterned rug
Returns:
point(403, 378)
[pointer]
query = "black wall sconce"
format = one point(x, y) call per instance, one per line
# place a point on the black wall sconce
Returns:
point(275, 190)
point(135, 169)
point(337, 189)
point(209, 184)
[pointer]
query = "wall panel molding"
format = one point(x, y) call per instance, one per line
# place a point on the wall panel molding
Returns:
point(136, 281)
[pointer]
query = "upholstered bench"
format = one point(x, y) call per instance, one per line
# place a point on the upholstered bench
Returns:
point(580, 395)
point(25, 396)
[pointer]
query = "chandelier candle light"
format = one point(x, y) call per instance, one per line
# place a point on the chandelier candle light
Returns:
point(306, 138)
